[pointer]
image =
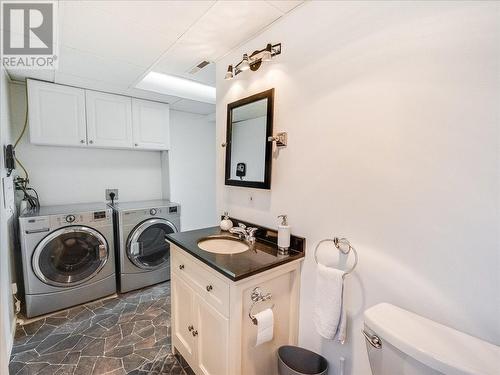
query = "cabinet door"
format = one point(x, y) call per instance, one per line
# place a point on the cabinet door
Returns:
point(212, 339)
point(183, 322)
point(151, 124)
point(56, 114)
point(109, 120)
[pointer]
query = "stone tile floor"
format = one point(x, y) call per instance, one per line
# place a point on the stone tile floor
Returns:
point(129, 334)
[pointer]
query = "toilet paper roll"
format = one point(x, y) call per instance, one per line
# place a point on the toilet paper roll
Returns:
point(265, 326)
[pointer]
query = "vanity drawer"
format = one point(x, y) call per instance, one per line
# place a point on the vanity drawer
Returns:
point(212, 288)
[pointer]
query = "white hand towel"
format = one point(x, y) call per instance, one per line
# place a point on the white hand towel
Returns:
point(329, 314)
point(265, 326)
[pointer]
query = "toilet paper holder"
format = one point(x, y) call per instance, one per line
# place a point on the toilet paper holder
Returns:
point(258, 296)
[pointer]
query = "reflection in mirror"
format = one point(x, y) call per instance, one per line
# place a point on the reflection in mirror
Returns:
point(248, 151)
point(248, 141)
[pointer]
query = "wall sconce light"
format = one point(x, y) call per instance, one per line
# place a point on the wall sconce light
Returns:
point(254, 61)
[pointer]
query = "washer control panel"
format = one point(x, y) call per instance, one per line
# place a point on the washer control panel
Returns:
point(99, 215)
point(62, 220)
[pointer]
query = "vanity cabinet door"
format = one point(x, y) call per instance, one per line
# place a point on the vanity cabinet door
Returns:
point(151, 124)
point(183, 318)
point(56, 114)
point(211, 339)
point(109, 120)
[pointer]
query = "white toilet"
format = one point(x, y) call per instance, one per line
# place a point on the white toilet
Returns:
point(402, 343)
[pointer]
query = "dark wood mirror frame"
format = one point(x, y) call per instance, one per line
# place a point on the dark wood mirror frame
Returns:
point(266, 184)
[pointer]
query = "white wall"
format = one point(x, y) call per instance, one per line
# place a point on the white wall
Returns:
point(7, 317)
point(392, 111)
point(192, 168)
point(66, 175)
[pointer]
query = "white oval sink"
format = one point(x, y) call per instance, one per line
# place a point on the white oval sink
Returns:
point(223, 245)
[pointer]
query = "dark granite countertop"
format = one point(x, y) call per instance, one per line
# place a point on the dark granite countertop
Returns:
point(262, 257)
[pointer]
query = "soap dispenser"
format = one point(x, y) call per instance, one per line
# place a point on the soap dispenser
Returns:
point(226, 223)
point(283, 236)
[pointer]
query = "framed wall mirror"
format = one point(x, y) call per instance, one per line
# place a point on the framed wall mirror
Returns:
point(248, 151)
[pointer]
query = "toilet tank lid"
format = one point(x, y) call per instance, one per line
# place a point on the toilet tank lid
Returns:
point(435, 345)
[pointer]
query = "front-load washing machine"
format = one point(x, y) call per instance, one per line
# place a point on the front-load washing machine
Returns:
point(67, 256)
point(142, 249)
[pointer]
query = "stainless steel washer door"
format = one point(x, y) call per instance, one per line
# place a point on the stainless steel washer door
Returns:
point(147, 246)
point(70, 256)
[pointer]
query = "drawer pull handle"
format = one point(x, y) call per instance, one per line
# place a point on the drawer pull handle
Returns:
point(195, 333)
point(209, 288)
point(181, 266)
point(190, 328)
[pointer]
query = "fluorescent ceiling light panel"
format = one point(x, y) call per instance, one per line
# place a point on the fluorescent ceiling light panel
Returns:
point(176, 86)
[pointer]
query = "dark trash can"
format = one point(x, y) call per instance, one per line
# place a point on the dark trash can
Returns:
point(293, 360)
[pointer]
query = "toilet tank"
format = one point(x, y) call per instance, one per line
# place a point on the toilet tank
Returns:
point(401, 342)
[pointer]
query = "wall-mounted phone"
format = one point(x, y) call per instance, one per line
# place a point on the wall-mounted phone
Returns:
point(241, 170)
point(10, 163)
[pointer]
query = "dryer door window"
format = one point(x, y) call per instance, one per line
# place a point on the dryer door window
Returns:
point(147, 245)
point(70, 256)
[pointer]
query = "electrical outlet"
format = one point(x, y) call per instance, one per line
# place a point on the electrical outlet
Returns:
point(14, 288)
point(108, 191)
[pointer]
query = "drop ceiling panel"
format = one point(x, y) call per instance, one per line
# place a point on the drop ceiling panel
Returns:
point(88, 83)
point(22, 74)
point(87, 65)
point(71, 80)
point(112, 36)
point(285, 5)
point(166, 17)
point(226, 25)
point(193, 106)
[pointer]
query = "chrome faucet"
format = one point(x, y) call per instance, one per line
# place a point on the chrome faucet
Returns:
point(248, 234)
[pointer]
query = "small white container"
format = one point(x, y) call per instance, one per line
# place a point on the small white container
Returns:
point(226, 223)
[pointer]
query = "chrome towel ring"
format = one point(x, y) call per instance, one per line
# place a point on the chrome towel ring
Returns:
point(344, 246)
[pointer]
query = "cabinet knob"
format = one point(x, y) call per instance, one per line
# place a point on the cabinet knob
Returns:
point(190, 328)
point(194, 333)
point(82, 141)
point(136, 144)
point(91, 142)
point(209, 288)
point(181, 266)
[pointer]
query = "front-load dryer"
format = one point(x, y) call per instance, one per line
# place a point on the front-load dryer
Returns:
point(67, 256)
point(142, 249)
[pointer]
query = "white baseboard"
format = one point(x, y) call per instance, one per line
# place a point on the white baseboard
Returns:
point(10, 344)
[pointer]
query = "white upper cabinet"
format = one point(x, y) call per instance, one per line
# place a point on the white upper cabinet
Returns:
point(56, 114)
point(151, 125)
point(68, 116)
point(109, 120)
